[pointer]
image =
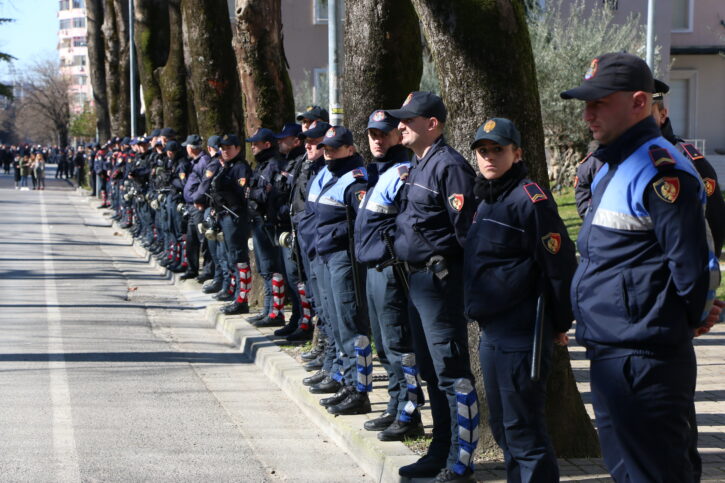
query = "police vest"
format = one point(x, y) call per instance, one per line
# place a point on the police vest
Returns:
point(332, 212)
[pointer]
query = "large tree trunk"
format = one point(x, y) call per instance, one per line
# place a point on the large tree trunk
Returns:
point(96, 55)
point(485, 67)
point(265, 82)
point(172, 76)
point(214, 82)
point(387, 62)
point(115, 32)
point(151, 37)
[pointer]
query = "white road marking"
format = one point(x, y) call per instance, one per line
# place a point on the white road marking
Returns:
point(64, 443)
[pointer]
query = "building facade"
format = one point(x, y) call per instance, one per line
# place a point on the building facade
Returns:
point(73, 52)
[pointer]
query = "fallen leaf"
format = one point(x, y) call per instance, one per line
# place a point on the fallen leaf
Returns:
point(132, 289)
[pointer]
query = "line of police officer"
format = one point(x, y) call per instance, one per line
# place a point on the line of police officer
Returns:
point(408, 250)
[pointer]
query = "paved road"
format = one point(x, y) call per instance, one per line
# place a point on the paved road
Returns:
point(105, 377)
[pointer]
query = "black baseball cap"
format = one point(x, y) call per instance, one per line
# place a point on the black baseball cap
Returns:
point(316, 131)
point(421, 103)
point(660, 90)
point(289, 129)
point(382, 120)
point(168, 132)
point(499, 130)
point(193, 140)
point(262, 134)
point(155, 132)
point(337, 136)
point(172, 146)
point(314, 113)
point(230, 140)
point(213, 141)
point(610, 73)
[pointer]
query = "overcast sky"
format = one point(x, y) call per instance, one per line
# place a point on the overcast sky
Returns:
point(34, 33)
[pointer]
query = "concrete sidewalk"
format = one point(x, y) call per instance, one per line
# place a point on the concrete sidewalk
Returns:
point(382, 460)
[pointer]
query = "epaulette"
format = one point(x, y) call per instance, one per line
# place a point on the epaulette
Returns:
point(358, 173)
point(535, 192)
point(660, 157)
point(691, 151)
point(586, 157)
point(403, 172)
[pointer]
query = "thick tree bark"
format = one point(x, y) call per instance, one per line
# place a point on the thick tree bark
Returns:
point(259, 49)
point(387, 62)
point(213, 76)
point(485, 66)
point(151, 37)
point(96, 55)
point(115, 32)
point(172, 76)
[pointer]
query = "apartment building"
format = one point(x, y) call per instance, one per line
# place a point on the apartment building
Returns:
point(73, 52)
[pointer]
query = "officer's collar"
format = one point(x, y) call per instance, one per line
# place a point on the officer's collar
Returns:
point(339, 167)
point(263, 156)
point(437, 144)
point(396, 154)
point(491, 189)
point(668, 133)
point(238, 157)
point(295, 152)
point(627, 143)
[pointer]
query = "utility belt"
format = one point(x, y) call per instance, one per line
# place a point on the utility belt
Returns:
point(437, 265)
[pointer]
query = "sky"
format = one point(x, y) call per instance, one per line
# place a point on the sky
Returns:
point(32, 36)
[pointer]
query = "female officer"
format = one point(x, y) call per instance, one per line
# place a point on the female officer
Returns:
point(516, 251)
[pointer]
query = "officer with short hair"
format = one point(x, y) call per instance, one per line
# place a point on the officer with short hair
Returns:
point(387, 299)
point(311, 115)
point(195, 241)
point(646, 278)
point(431, 228)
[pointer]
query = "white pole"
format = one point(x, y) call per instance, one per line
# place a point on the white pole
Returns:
point(132, 68)
point(333, 60)
point(651, 34)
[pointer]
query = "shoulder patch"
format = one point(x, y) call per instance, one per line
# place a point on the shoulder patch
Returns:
point(660, 157)
point(576, 181)
point(668, 189)
point(456, 201)
point(589, 155)
point(535, 193)
point(552, 242)
point(360, 195)
point(242, 181)
point(182, 176)
point(710, 185)
point(208, 173)
point(691, 151)
point(403, 172)
point(358, 173)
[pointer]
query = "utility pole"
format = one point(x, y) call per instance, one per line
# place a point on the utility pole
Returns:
point(132, 67)
point(334, 34)
point(651, 34)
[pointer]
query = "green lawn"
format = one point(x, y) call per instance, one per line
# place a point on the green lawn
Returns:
point(567, 211)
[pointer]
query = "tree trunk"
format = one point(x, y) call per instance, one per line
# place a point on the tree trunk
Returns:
point(387, 65)
point(259, 49)
point(172, 76)
point(151, 37)
point(115, 32)
point(485, 66)
point(214, 82)
point(96, 55)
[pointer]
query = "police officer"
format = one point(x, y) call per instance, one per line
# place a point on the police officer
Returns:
point(195, 241)
point(387, 299)
point(517, 253)
point(179, 168)
point(436, 213)
point(646, 277)
point(311, 115)
point(229, 186)
point(267, 254)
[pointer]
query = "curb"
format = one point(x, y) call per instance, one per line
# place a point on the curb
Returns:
point(379, 460)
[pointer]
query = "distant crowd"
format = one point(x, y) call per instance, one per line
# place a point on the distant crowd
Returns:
point(28, 162)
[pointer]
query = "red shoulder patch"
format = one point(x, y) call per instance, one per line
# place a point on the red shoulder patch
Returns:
point(710, 185)
point(358, 173)
point(552, 242)
point(456, 201)
point(660, 157)
point(535, 193)
point(691, 151)
point(668, 189)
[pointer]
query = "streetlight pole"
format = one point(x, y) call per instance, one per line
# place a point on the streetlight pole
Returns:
point(651, 34)
point(333, 61)
point(132, 68)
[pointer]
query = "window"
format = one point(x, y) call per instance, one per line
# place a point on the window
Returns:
point(79, 60)
point(682, 15)
point(320, 89)
point(79, 22)
point(79, 4)
point(319, 12)
point(79, 41)
point(65, 23)
point(64, 4)
point(65, 44)
point(80, 80)
point(683, 102)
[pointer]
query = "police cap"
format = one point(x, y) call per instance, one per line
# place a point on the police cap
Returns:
point(314, 113)
point(337, 136)
point(172, 146)
point(213, 141)
point(316, 131)
point(660, 90)
point(382, 120)
point(499, 130)
point(155, 132)
point(610, 73)
point(168, 132)
point(421, 103)
point(289, 129)
point(230, 140)
point(193, 140)
point(263, 134)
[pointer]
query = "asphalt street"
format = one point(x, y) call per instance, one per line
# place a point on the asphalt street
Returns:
point(106, 376)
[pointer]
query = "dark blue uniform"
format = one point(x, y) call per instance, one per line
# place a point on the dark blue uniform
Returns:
point(195, 241)
point(646, 279)
point(516, 251)
point(437, 210)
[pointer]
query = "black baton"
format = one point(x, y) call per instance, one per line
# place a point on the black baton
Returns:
point(538, 339)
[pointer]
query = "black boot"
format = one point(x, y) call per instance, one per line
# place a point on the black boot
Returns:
point(300, 335)
point(316, 351)
point(212, 287)
point(381, 422)
point(187, 275)
point(223, 296)
point(204, 276)
point(287, 329)
point(235, 308)
point(270, 321)
point(255, 318)
point(315, 378)
point(336, 398)
point(426, 467)
point(314, 364)
point(399, 430)
point(355, 403)
point(327, 386)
